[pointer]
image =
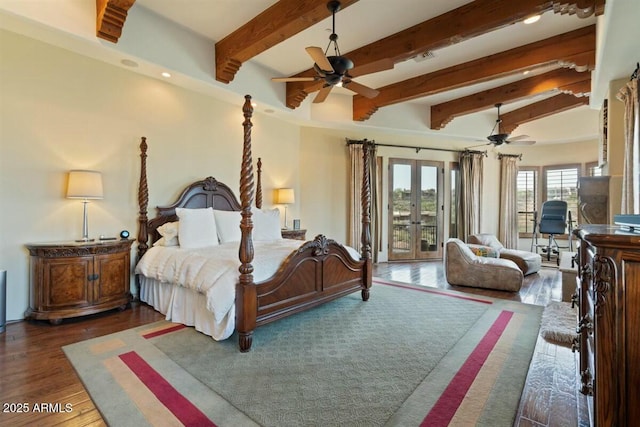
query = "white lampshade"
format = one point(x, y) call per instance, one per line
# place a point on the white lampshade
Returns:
point(285, 196)
point(84, 184)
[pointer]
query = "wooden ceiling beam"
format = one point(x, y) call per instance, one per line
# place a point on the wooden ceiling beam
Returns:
point(563, 79)
point(564, 49)
point(470, 20)
point(537, 110)
point(581, 8)
point(580, 88)
point(284, 19)
point(110, 17)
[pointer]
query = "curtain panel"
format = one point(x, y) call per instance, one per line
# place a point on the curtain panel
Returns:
point(631, 169)
point(469, 208)
point(508, 220)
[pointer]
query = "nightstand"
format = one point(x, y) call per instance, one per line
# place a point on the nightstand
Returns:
point(288, 233)
point(71, 279)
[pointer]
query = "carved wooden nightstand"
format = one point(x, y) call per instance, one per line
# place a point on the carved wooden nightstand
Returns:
point(288, 233)
point(70, 279)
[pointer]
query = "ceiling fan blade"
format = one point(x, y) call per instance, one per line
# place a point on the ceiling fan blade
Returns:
point(361, 89)
point(520, 142)
point(374, 67)
point(293, 79)
point(517, 138)
point(322, 94)
point(318, 56)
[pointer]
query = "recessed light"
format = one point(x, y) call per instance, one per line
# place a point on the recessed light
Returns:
point(525, 72)
point(532, 19)
point(165, 74)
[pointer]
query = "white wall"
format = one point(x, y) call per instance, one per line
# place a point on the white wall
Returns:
point(61, 111)
point(557, 154)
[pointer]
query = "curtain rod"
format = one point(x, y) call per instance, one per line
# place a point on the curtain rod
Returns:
point(413, 147)
point(501, 155)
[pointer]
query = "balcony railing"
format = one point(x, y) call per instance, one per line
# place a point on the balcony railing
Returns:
point(401, 237)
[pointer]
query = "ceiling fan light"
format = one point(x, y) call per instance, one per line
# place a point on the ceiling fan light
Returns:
point(531, 19)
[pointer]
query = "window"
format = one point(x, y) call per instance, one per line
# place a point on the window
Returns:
point(561, 183)
point(527, 199)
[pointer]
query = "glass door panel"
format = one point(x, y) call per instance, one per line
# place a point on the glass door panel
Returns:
point(401, 230)
point(415, 209)
point(430, 208)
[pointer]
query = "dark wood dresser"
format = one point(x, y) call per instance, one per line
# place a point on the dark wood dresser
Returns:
point(70, 279)
point(608, 294)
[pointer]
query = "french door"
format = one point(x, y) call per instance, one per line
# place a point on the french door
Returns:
point(415, 209)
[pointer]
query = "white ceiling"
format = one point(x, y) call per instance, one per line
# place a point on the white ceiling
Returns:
point(179, 36)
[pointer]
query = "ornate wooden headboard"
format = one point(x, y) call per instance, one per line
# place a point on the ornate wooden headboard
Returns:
point(205, 193)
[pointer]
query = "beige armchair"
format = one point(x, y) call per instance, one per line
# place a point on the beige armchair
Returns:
point(464, 268)
point(529, 262)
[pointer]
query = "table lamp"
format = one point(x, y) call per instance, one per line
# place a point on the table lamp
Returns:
point(85, 185)
point(285, 196)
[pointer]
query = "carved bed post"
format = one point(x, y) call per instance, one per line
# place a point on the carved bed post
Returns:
point(365, 198)
point(143, 201)
point(246, 297)
point(259, 185)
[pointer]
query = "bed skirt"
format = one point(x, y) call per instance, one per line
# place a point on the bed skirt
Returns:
point(185, 306)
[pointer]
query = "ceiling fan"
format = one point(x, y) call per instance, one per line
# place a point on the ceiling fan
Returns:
point(333, 69)
point(500, 138)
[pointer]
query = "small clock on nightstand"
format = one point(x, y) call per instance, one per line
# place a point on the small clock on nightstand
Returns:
point(288, 233)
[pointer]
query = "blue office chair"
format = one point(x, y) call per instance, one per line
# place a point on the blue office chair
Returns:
point(553, 221)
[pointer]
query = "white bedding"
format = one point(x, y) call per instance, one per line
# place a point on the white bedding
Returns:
point(213, 271)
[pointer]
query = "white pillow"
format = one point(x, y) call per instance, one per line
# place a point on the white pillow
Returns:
point(196, 228)
point(266, 224)
point(169, 233)
point(228, 225)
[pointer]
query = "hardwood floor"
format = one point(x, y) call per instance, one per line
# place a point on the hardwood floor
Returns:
point(35, 371)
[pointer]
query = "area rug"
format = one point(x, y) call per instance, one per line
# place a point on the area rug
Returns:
point(409, 356)
point(558, 323)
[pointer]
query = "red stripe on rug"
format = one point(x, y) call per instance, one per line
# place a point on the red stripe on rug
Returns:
point(163, 331)
point(181, 407)
point(448, 403)
point(431, 291)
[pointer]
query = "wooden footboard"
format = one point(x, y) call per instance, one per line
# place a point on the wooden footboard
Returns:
point(321, 270)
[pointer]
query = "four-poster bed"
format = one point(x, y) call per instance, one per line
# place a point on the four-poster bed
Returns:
point(315, 272)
